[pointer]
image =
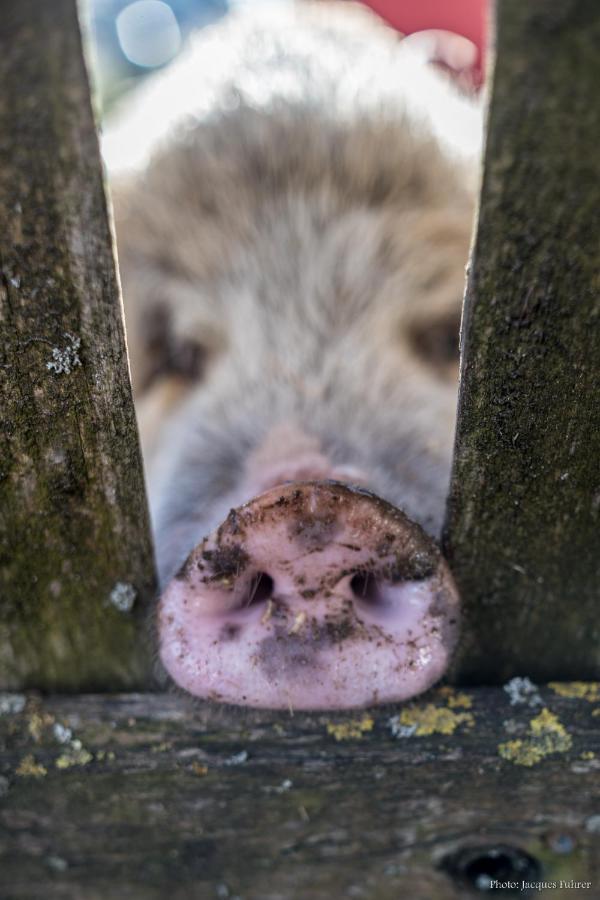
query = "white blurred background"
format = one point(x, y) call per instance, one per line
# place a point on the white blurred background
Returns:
point(131, 38)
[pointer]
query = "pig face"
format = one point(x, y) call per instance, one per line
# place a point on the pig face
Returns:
point(292, 277)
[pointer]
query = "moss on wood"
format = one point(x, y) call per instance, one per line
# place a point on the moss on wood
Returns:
point(75, 553)
point(523, 525)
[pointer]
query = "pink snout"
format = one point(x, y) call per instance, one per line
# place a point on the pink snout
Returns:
point(315, 595)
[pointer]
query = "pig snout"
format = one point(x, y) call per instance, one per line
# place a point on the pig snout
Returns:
point(314, 595)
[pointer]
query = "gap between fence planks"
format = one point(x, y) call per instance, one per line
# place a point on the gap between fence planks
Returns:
point(523, 525)
point(75, 551)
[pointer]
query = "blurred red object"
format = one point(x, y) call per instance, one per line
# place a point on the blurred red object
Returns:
point(443, 20)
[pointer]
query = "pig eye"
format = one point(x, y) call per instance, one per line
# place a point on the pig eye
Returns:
point(167, 353)
point(437, 343)
point(186, 359)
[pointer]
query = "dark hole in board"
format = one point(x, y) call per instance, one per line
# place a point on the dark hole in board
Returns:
point(479, 867)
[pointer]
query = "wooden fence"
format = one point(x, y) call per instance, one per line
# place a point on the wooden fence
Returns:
point(76, 567)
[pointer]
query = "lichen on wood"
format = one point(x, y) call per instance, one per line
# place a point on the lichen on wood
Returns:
point(76, 566)
point(523, 524)
point(153, 796)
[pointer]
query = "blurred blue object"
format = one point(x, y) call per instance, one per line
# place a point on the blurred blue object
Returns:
point(132, 37)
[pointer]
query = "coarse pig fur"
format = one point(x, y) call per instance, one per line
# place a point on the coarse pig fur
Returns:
point(292, 239)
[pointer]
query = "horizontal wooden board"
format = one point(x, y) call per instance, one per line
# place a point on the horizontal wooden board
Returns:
point(149, 796)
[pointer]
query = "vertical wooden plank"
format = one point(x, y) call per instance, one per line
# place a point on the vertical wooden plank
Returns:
point(523, 523)
point(76, 564)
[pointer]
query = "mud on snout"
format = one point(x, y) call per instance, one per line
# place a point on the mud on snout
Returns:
point(314, 595)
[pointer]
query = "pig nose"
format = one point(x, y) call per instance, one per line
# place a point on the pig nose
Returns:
point(314, 595)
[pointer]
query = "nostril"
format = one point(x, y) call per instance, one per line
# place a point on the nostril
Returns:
point(364, 587)
point(261, 589)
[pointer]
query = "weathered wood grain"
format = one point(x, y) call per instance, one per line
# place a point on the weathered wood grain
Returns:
point(75, 551)
point(523, 525)
point(147, 797)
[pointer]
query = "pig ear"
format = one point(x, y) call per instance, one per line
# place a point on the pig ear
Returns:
point(455, 30)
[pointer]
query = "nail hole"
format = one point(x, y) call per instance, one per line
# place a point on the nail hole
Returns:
point(364, 587)
point(261, 589)
point(498, 868)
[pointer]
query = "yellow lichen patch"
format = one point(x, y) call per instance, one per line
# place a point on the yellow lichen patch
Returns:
point(546, 735)
point(36, 724)
point(103, 755)
point(521, 753)
point(432, 719)
point(346, 731)
point(455, 699)
point(28, 768)
point(577, 690)
point(547, 722)
point(460, 700)
point(587, 754)
point(76, 757)
point(596, 712)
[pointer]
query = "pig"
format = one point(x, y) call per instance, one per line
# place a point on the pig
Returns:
point(293, 208)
